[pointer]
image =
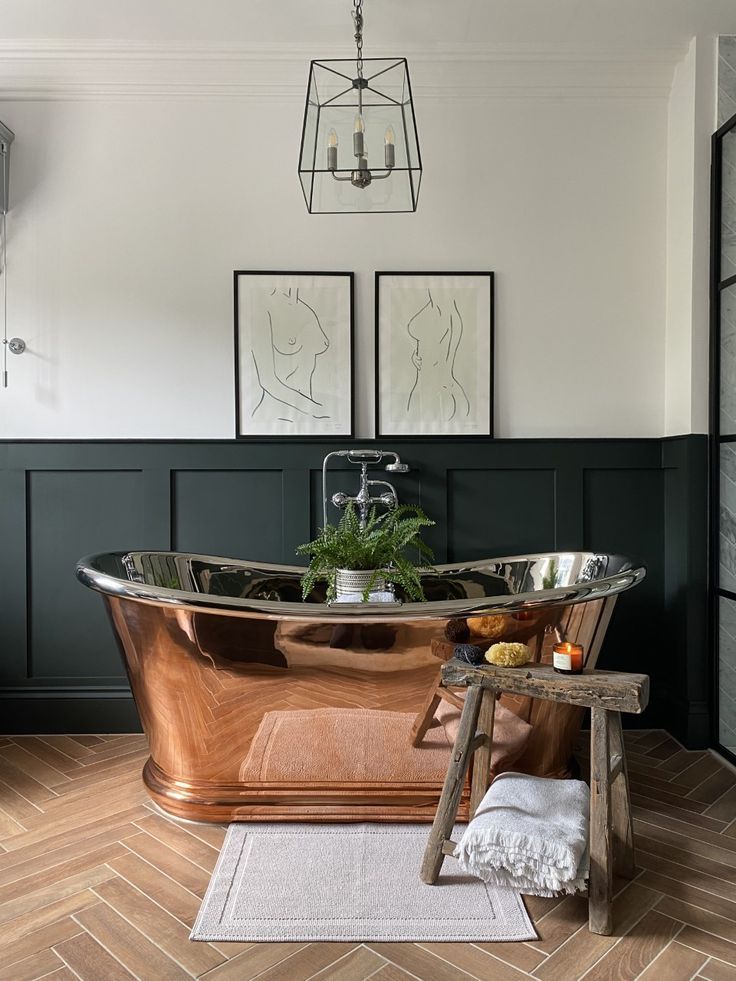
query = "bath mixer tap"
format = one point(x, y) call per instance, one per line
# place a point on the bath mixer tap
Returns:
point(364, 499)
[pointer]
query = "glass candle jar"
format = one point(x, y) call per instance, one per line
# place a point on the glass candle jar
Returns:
point(567, 658)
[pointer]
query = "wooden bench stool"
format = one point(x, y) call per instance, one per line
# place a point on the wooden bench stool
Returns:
point(607, 694)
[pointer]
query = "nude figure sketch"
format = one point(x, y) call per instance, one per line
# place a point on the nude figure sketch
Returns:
point(286, 341)
point(436, 332)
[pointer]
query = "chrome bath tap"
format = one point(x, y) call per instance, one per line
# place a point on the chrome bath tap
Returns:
point(364, 500)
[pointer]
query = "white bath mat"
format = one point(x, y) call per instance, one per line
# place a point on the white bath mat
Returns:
point(303, 882)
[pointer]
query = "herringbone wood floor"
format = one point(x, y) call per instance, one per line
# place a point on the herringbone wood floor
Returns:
point(95, 885)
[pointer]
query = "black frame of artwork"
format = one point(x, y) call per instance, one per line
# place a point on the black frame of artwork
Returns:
point(717, 286)
point(491, 373)
point(237, 273)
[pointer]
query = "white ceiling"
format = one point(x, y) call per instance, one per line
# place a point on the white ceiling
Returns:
point(602, 23)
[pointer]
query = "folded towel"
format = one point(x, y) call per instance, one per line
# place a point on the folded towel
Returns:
point(379, 597)
point(529, 833)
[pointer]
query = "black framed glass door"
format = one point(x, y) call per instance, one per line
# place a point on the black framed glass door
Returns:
point(723, 431)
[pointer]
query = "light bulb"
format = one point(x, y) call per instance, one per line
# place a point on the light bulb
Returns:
point(359, 124)
point(332, 138)
point(388, 137)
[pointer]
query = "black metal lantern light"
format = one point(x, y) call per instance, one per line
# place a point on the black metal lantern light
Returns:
point(360, 150)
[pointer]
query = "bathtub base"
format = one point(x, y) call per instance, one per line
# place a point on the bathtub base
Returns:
point(224, 803)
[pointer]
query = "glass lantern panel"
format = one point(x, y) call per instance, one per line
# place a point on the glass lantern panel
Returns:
point(311, 117)
point(333, 197)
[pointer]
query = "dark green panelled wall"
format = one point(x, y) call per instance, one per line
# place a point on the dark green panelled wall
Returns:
point(60, 670)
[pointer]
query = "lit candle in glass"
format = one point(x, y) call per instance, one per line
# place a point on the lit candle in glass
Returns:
point(358, 142)
point(389, 148)
point(332, 150)
point(567, 658)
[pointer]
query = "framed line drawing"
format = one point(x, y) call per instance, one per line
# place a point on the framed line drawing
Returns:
point(294, 371)
point(434, 354)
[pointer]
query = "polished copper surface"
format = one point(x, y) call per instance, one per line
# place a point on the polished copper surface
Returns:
point(204, 681)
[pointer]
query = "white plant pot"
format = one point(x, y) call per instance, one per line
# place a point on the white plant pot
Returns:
point(348, 581)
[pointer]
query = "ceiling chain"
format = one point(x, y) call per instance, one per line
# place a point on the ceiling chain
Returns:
point(358, 22)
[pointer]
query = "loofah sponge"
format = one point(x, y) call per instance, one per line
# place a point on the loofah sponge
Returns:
point(457, 630)
point(468, 653)
point(508, 655)
point(490, 626)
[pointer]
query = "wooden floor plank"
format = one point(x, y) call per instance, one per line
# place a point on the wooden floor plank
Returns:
point(253, 962)
point(43, 772)
point(37, 965)
point(675, 963)
point(714, 787)
point(37, 940)
point(128, 945)
point(171, 863)
point(90, 961)
point(688, 893)
point(20, 865)
point(584, 948)
point(698, 917)
point(174, 898)
point(38, 842)
point(36, 919)
point(637, 949)
point(307, 962)
point(181, 841)
point(478, 963)
point(423, 964)
point(359, 964)
point(47, 754)
point(520, 955)
point(724, 808)
point(709, 944)
point(559, 925)
point(154, 922)
point(717, 971)
point(68, 746)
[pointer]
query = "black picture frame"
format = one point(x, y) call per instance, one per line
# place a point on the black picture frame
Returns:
point(487, 432)
point(344, 432)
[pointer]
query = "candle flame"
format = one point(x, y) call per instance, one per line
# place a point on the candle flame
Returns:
point(389, 137)
point(332, 138)
point(359, 124)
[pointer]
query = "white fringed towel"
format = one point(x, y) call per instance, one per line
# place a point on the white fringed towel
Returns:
point(530, 834)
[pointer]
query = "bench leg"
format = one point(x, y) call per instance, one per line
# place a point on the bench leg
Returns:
point(621, 828)
point(453, 787)
point(600, 887)
point(425, 715)
point(482, 759)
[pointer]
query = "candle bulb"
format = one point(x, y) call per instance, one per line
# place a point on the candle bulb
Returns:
point(389, 148)
point(332, 150)
point(358, 137)
point(567, 658)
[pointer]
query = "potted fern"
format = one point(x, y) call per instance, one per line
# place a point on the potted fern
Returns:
point(351, 559)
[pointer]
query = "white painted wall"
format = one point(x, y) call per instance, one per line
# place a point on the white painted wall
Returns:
point(129, 215)
point(691, 121)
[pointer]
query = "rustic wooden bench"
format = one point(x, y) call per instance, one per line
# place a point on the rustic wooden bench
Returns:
point(607, 694)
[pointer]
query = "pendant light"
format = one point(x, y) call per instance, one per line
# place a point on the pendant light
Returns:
point(359, 149)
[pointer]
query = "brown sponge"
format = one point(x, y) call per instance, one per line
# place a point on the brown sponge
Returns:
point(457, 630)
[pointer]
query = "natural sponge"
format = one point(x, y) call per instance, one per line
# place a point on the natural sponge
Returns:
point(508, 655)
point(468, 653)
point(490, 627)
point(457, 630)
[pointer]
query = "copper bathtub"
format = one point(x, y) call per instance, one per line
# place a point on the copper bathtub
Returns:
point(259, 706)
